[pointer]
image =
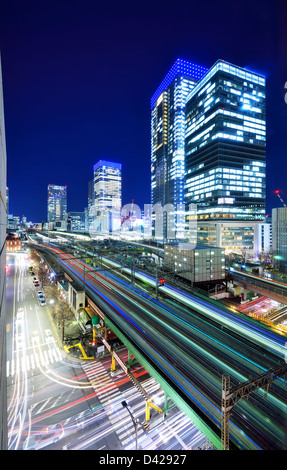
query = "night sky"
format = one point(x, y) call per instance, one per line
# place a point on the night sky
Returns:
point(78, 77)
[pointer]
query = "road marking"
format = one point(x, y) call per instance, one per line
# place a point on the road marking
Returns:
point(46, 358)
point(37, 359)
point(100, 379)
point(51, 356)
point(43, 406)
point(31, 361)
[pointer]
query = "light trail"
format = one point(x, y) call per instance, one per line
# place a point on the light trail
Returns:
point(138, 320)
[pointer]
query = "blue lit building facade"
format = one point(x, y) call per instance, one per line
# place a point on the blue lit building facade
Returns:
point(225, 144)
point(168, 136)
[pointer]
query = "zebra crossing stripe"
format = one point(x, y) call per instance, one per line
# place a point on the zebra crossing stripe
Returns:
point(56, 354)
point(28, 362)
point(108, 395)
point(46, 358)
point(37, 359)
point(96, 375)
point(51, 356)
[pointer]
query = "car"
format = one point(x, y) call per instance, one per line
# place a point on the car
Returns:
point(49, 336)
point(20, 341)
point(36, 284)
point(20, 313)
point(47, 436)
point(42, 302)
point(39, 293)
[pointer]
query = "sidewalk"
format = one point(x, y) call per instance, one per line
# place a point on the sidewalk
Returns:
point(72, 331)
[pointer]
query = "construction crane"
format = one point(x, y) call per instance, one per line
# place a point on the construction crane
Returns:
point(278, 194)
point(129, 215)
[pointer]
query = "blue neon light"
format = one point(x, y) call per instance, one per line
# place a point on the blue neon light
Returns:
point(180, 67)
point(101, 163)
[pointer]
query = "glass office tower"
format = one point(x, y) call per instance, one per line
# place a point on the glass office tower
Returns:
point(57, 203)
point(225, 144)
point(107, 196)
point(168, 136)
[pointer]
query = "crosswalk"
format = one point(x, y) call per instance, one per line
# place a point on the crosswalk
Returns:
point(109, 394)
point(26, 362)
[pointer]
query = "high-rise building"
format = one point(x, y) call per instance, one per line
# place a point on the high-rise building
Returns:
point(225, 144)
point(57, 203)
point(91, 204)
point(107, 196)
point(3, 322)
point(76, 221)
point(168, 139)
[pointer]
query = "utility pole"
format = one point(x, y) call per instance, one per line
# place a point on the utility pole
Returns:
point(229, 397)
point(134, 420)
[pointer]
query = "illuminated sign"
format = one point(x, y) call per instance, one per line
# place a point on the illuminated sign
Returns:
point(226, 200)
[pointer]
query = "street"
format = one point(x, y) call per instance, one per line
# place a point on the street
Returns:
point(56, 401)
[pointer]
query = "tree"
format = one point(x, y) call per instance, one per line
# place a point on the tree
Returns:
point(62, 315)
point(42, 274)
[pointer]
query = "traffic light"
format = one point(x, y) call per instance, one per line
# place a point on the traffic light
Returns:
point(161, 282)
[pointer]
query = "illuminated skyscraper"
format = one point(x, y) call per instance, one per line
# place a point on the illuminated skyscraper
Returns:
point(225, 147)
point(57, 203)
point(167, 136)
point(107, 196)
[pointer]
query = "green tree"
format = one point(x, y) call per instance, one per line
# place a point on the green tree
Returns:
point(62, 315)
point(61, 312)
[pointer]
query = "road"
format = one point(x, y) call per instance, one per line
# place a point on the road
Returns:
point(59, 402)
point(193, 347)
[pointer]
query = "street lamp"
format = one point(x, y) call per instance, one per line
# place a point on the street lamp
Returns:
point(134, 420)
